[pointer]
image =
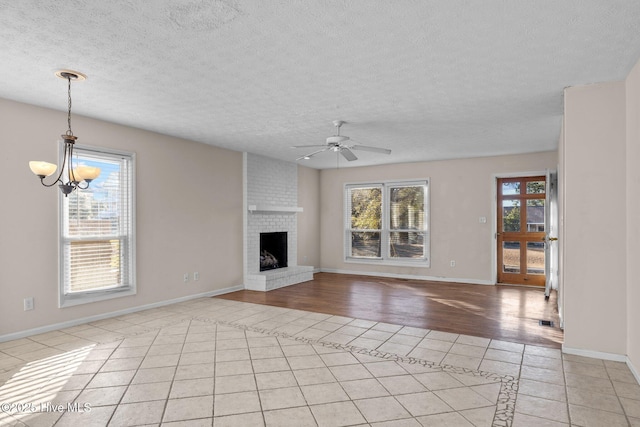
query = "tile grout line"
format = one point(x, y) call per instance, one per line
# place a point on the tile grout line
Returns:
point(624, 411)
point(566, 388)
point(173, 378)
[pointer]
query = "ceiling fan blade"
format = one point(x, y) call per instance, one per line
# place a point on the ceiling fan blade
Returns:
point(348, 154)
point(372, 149)
point(309, 146)
point(308, 156)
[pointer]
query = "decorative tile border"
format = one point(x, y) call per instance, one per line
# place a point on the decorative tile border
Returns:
point(505, 405)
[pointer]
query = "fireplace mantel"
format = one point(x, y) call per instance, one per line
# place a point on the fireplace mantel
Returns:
point(265, 208)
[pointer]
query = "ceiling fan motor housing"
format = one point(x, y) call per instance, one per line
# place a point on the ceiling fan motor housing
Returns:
point(337, 139)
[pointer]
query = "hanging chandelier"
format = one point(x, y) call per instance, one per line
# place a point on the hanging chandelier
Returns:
point(70, 178)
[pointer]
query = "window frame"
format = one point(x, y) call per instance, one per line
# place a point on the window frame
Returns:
point(385, 258)
point(130, 288)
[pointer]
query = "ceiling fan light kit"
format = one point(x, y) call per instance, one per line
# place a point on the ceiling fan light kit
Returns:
point(338, 144)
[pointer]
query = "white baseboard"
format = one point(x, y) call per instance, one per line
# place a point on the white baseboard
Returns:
point(409, 276)
point(75, 322)
point(595, 354)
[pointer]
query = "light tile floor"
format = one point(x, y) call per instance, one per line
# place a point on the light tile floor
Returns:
point(213, 362)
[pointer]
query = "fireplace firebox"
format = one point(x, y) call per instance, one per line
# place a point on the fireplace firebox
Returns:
point(273, 250)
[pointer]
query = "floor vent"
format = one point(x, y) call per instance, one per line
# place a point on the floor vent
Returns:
point(546, 323)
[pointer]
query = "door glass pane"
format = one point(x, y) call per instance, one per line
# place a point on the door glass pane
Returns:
point(510, 188)
point(511, 215)
point(511, 257)
point(535, 187)
point(535, 258)
point(406, 244)
point(535, 215)
point(406, 208)
point(365, 244)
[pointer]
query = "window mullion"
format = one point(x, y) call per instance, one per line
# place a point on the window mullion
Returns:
point(385, 223)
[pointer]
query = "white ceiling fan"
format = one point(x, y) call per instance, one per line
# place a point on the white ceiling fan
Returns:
point(340, 144)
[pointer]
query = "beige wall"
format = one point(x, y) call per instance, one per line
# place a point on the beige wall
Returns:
point(594, 211)
point(633, 216)
point(461, 192)
point(309, 219)
point(189, 216)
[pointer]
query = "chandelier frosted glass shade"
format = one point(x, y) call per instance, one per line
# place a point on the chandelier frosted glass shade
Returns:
point(86, 173)
point(42, 169)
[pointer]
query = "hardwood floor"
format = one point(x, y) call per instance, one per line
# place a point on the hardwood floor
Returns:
point(509, 313)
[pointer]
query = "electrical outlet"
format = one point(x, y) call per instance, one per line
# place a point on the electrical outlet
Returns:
point(186, 277)
point(28, 303)
point(196, 276)
point(482, 220)
point(452, 263)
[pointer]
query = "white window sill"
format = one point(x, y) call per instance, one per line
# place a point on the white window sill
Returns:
point(390, 263)
point(89, 297)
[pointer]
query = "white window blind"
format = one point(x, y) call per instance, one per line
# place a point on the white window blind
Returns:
point(97, 231)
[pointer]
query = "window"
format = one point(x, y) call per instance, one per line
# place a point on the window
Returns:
point(97, 248)
point(387, 223)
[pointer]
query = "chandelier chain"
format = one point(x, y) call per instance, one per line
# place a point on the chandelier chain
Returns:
point(69, 131)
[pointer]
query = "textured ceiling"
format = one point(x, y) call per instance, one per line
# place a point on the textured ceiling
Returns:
point(427, 79)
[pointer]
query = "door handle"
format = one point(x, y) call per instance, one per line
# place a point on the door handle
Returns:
point(550, 239)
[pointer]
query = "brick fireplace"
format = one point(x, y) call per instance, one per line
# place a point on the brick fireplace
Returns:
point(271, 206)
